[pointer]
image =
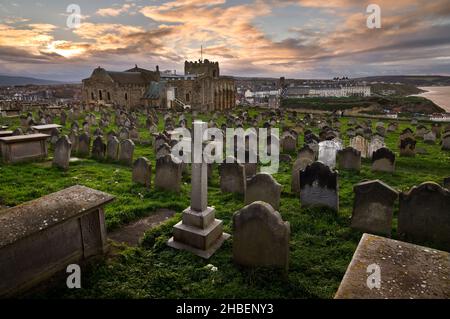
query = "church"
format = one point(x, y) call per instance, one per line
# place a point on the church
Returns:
point(200, 88)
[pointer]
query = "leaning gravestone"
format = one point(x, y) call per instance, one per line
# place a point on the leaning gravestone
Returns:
point(62, 151)
point(373, 207)
point(299, 165)
point(424, 215)
point(260, 237)
point(263, 187)
point(232, 177)
point(168, 173)
point(349, 158)
point(383, 160)
point(319, 186)
point(126, 152)
point(142, 172)
point(112, 149)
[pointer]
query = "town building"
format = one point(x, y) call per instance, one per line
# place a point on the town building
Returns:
point(201, 87)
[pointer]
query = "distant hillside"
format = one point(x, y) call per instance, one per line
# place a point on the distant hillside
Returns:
point(6, 80)
point(415, 80)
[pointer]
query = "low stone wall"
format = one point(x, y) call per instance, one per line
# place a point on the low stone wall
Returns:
point(44, 236)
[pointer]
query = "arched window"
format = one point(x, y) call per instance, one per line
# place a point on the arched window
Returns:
point(100, 95)
point(109, 96)
point(126, 96)
point(92, 96)
point(187, 97)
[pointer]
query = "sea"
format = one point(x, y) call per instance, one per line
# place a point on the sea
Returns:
point(440, 95)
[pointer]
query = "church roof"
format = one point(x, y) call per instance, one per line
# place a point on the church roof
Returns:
point(127, 77)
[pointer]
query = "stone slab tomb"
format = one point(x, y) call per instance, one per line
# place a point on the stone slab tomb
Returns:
point(407, 271)
point(42, 237)
point(260, 237)
point(21, 148)
point(373, 207)
point(319, 186)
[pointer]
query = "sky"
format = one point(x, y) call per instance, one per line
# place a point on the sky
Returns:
point(273, 38)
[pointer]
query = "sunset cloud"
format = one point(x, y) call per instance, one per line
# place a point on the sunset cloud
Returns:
point(298, 38)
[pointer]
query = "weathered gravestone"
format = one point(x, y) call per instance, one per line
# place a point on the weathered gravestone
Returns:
point(306, 152)
point(232, 177)
point(98, 149)
point(124, 134)
point(289, 143)
point(263, 187)
point(168, 173)
point(73, 138)
point(319, 186)
point(383, 160)
point(374, 145)
point(408, 147)
point(327, 153)
point(112, 149)
point(260, 237)
point(62, 152)
point(349, 158)
point(126, 152)
point(429, 138)
point(360, 143)
point(424, 215)
point(142, 172)
point(373, 207)
point(84, 145)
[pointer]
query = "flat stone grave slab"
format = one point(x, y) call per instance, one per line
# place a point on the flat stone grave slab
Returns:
point(46, 129)
point(6, 133)
point(407, 271)
point(131, 234)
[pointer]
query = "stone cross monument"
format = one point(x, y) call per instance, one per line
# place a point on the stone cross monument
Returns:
point(199, 231)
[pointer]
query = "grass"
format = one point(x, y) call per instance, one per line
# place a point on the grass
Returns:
point(321, 246)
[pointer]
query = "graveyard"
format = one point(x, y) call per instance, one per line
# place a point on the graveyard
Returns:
point(322, 239)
